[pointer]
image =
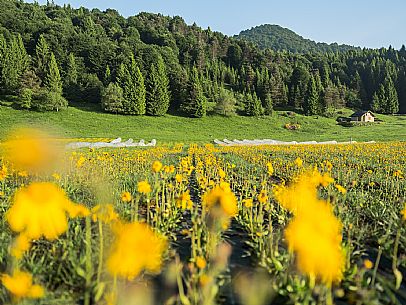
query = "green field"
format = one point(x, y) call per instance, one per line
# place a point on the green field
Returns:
point(83, 122)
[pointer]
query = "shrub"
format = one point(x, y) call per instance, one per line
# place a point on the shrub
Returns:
point(113, 98)
point(46, 100)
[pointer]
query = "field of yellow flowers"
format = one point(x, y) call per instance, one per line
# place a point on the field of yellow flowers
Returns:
point(202, 225)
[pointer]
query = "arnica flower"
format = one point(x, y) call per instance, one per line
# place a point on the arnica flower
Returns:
point(314, 236)
point(222, 173)
point(368, 264)
point(104, 213)
point(341, 189)
point(126, 197)
point(3, 172)
point(398, 174)
point(20, 245)
point(21, 286)
point(156, 166)
point(42, 152)
point(200, 262)
point(248, 203)
point(178, 178)
point(144, 187)
point(298, 162)
point(184, 202)
point(80, 162)
point(403, 212)
point(262, 196)
point(136, 248)
point(221, 197)
point(270, 169)
point(41, 210)
point(302, 194)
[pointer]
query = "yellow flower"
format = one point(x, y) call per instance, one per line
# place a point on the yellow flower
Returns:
point(104, 213)
point(341, 189)
point(3, 172)
point(200, 262)
point(262, 197)
point(21, 286)
point(315, 236)
point(40, 210)
point(21, 244)
point(403, 212)
point(222, 173)
point(126, 197)
point(248, 203)
point(298, 162)
point(23, 174)
point(144, 187)
point(156, 166)
point(368, 264)
point(397, 174)
point(42, 152)
point(223, 198)
point(270, 169)
point(183, 201)
point(136, 248)
point(178, 178)
point(80, 162)
point(56, 176)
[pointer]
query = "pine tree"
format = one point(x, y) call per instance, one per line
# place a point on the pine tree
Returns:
point(195, 103)
point(71, 77)
point(107, 76)
point(158, 95)
point(138, 96)
point(392, 101)
point(42, 57)
point(53, 80)
point(113, 98)
point(268, 105)
point(311, 101)
point(252, 105)
point(15, 62)
point(379, 99)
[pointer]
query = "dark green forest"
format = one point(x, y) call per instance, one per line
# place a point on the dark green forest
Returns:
point(53, 56)
point(277, 38)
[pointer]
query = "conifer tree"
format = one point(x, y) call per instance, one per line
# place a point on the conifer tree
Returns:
point(158, 95)
point(15, 62)
point(71, 77)
point(311, 101)
point(252, 105)
point(195, 103)
point(268, 105)
point(53, 80)
point(42, 57)
point(392, 101)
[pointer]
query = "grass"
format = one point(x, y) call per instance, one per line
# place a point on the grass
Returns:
point(81, 122)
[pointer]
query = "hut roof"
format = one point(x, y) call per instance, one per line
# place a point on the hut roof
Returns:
point(361, 113)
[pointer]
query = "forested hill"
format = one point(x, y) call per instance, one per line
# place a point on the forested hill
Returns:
point(278, 38)
point(151, 64)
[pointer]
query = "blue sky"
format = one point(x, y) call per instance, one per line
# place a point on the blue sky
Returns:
point(367, 23)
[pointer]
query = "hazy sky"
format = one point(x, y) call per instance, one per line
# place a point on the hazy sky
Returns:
point(369, 23)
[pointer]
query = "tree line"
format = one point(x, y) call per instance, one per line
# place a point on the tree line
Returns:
point(52, 56)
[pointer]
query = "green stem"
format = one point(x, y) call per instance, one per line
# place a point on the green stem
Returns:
point(88, 260)
point(101, 248)
point(378, 258)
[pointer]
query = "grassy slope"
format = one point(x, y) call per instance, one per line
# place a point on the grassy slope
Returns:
point(75, 122)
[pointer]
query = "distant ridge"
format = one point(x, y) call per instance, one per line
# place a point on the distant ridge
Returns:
point(278, 38)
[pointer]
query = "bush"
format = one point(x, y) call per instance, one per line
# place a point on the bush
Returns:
point(25, 98)
point(113, 98)
point(49, 101)
point(226, 103)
